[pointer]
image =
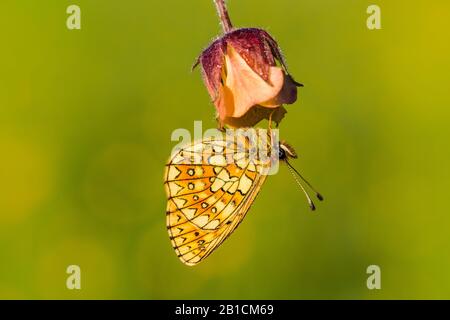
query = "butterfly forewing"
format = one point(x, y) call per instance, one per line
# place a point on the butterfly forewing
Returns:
point(210, 186)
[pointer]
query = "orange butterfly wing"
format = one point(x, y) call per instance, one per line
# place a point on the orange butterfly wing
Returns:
point(209, 196)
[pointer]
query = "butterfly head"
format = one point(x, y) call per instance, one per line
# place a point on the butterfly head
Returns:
point(285, 151)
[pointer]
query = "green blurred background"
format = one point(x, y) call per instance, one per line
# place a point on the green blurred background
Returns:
point(85, 124)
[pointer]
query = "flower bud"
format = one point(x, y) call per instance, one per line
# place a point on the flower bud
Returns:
point(243, 70)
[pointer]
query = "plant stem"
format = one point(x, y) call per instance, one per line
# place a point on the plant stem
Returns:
point(223, 15)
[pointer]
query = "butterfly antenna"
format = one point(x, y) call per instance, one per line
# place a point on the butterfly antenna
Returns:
point(310, 202)
point(297, 174)
point(318, 195)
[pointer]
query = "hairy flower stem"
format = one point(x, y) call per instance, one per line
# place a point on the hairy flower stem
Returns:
point(223, 15)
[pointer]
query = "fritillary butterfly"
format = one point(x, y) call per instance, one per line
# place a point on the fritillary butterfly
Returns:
point(211, 185)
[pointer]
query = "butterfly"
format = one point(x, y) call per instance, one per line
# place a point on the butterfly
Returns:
point(212, 183)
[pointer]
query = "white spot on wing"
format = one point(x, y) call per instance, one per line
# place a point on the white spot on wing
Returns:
point(217, 184)
point(195, 148)
point(174, 188)
point(173, 173)
point(217, 160)
point(245, 184)
point(189, 213)
point(201, 220)
point(212, 225)
point(179, 202)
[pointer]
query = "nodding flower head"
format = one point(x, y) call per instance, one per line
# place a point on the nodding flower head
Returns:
point(245, 69)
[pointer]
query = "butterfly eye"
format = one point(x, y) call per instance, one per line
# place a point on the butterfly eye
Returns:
point(281, 154)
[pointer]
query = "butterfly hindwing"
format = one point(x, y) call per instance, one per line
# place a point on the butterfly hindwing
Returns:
point(210, 186)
